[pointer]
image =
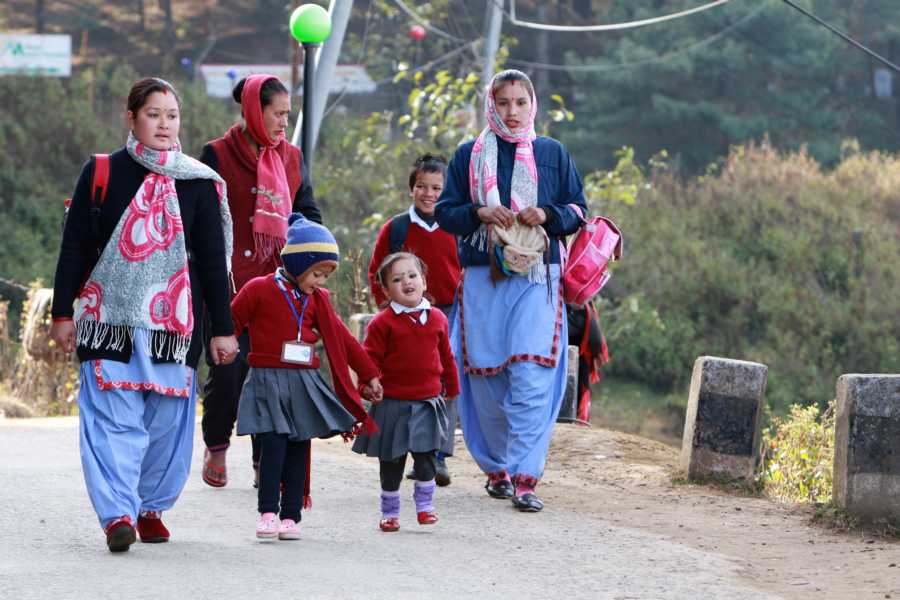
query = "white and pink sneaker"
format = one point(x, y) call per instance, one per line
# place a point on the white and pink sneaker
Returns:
point(267, 526)
point(289, 530)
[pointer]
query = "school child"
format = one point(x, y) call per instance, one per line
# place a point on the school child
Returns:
point(416, 231)
point(409, 343)
point(285, 401)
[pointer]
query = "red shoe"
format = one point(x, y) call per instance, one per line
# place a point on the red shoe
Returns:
point(120, 534)
point(151, 529)
point(426, 518)
point(390, 524)
point(212, 475)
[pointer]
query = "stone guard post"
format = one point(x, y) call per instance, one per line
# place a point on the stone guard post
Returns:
point(867, 446)
point(721, 429)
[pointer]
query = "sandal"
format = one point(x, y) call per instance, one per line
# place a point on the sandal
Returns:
point(528, 502)
point(213, 476)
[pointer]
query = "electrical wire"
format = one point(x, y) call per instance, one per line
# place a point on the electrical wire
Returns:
point(421, 21)
point(511, 15)
point(844, 36)
point(659, 59)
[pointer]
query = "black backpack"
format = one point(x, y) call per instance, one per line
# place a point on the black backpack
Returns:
point(399, 227)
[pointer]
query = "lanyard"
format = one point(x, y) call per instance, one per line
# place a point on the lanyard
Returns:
point(297, 315)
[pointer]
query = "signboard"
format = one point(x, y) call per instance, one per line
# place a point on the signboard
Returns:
point(220, 79)
point(39, 55)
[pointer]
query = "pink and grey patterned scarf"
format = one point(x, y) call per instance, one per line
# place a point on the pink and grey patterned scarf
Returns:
point(483, 164)
point(142, 280)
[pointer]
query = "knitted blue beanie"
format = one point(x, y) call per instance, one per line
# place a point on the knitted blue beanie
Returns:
point(307, 244)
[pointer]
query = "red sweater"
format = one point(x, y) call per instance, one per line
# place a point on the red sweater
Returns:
point(261, 307)
point(415, 360)
point(437, 249)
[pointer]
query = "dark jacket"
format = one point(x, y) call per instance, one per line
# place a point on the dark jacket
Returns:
point(204, 239)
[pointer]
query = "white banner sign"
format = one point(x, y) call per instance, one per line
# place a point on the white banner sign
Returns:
point(38, 55)
point(220, 79)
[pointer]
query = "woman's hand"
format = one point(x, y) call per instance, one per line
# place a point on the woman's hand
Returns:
point(532, 216)
point(499, 215)
point(223, 349)
point(63, 333)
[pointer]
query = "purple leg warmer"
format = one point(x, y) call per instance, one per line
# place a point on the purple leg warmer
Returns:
point(424, 496)
point(390, 505)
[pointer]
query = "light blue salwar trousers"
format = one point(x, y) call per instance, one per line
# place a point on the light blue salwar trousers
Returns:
point(136, 433)
point(508, 414)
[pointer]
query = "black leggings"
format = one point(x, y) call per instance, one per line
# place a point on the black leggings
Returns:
point(221, 393)
point(281, 461)
point(392, 470)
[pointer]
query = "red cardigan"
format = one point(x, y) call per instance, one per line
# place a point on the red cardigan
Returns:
point(437, 249)
point(415, 360)
point(237, 167)
point(261, 307)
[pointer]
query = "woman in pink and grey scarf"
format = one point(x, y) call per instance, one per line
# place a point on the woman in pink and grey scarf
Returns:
point(511, 196)
point(138, 262)
point(267, 181)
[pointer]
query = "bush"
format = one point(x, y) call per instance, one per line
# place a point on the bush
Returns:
point(766, 258)
point(798, 453)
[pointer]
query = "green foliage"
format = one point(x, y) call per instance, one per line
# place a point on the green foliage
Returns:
point(699, 85)
point(767, 258)
point(798, 455)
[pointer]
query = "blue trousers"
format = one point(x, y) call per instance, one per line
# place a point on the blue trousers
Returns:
point(508, 418)
point(135, 447)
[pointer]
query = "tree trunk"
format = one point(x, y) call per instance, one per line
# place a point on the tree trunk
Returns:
point(140, 10)
point(169, 37)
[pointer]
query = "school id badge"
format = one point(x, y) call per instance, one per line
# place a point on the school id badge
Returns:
point(297, 353)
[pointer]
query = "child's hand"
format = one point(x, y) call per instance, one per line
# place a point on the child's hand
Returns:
point(376, 390)
point(223, 349)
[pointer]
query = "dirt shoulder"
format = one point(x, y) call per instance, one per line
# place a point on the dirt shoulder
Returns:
point(628, 480)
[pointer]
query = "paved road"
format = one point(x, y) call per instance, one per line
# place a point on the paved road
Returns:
point(52, 547)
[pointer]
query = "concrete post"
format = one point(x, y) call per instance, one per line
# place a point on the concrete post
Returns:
point(867, 446)
point(721, 429)
point(568, 412)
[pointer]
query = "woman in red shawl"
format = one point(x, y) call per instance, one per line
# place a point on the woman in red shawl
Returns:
point(267, 180)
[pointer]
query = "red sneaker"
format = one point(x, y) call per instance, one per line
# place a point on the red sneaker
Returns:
point(389, 524)
point(151, 529)
point(426, 518)
point(120, 534)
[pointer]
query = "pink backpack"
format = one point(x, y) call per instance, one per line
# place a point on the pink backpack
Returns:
point(596, 244)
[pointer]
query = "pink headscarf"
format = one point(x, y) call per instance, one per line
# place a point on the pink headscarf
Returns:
point(273, 196)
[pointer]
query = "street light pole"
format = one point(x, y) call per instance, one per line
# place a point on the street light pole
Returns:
point(309, 74)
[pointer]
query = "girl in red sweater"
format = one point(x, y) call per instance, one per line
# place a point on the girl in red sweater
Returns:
point(285, 402)
point(409, 343)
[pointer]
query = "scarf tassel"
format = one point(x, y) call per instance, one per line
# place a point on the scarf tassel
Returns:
point(267, 246)
point(96, 335)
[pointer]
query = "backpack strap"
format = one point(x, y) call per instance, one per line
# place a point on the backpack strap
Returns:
point(99, 183)
point(399, 228)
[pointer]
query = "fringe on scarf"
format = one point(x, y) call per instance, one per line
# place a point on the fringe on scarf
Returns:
point(160, 344)
point(267, 246)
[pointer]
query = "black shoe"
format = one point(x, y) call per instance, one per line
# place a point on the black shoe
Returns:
point(502, 489)
point(442, 474)
point(528, 502)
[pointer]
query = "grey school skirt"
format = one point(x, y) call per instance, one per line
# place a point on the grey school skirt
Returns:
point(405, 426)
point(296, 402)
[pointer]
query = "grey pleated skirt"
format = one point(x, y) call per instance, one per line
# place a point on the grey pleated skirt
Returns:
point(405, 426)
point(296, 402)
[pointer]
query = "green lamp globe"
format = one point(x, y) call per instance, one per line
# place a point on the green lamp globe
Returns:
point(310, 24)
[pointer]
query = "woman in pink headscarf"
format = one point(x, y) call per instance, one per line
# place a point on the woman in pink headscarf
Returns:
point(267, 180)
point(511, 196)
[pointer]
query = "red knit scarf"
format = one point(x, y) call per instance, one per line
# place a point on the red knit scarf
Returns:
point(273, 195)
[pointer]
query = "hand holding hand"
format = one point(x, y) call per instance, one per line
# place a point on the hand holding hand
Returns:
point(223, 349)
point(499, 215)
point(532, 216)
point(63, 333)
point(377, 392)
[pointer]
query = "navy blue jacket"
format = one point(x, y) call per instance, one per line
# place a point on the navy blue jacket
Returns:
point(558, 185)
